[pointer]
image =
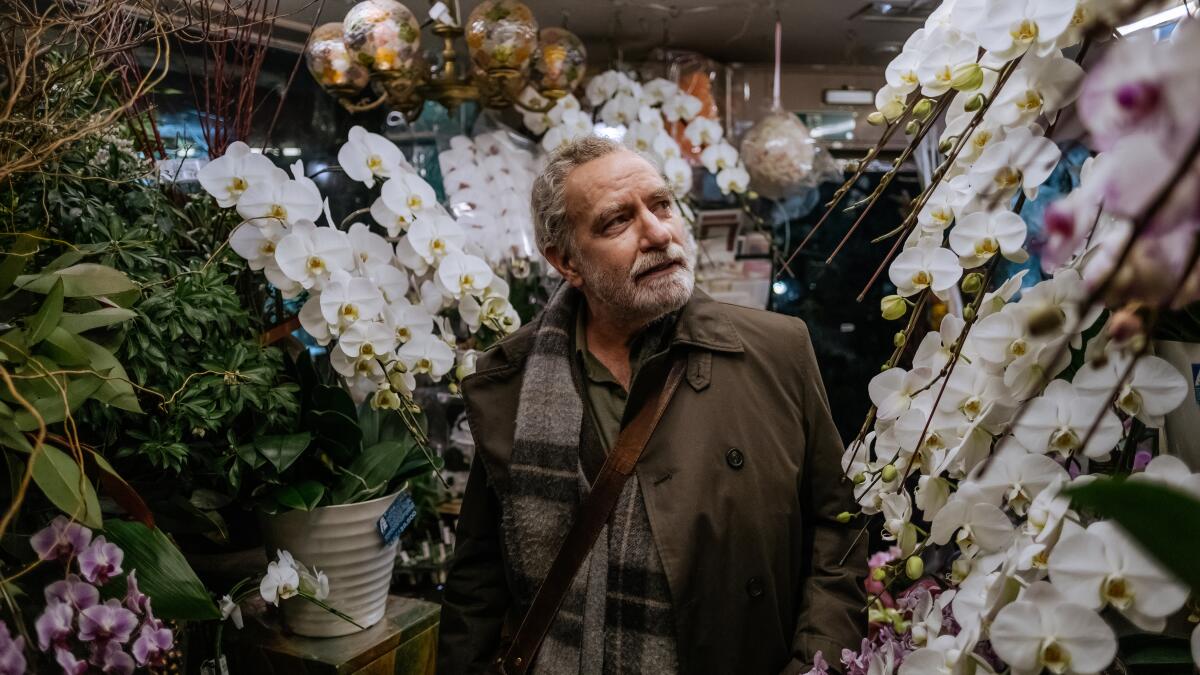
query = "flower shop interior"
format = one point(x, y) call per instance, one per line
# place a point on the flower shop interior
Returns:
point(253, 249)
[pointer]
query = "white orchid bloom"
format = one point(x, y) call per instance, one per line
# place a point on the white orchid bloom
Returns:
point(717, 158)
point(997, 300)
point(391, 281)
point(1062, 294)
point(622, 109)
point(601, 87)
point(1101, 566)
point(973, 390)
point(1040, 86)
point(1003, 337)
point(1022, 161)
point(734, 179)
point(980, 235)
point(921, 267)
point(348, 299)
point(433, 238)
point(363, 374)
point(229, 176)
point(938, 68)
point(937, 433)
point(279, 583)
point(557, 115)
point(927, 614)
point(463, 274)
point(366, 156)
point(1155, 388)
point(682, 107)
point(426, 354)
point(939, 211)
point(933, 492)
point(975, 524)
point(408, 195)
point(650, 116)
point(703, 131)
point(1008, 28)
point(679, 176)
point(897, 522)
point(313, 321)
point(367, 339)
point(666, 147)
point(395, 223)
point(1058, 421)
point(1172, 472)
point(987, 133)
point(287, 287)
point(370, 249)
point(408, 320)
point(891, 102)
point(641, 137)
point(255, 241)
point(1042, 630)
point(901, 73)
point(231, 610)
point(1015, 478)
point(408, 257)
point(1047, 513)
point(291, 201)
point(936, 348)
point(309, 255)
point(660, 90)
point(892, 390)
point(1028, 373)
point(944, 655)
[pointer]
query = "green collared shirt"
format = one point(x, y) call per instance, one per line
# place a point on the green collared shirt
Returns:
point(605, 397)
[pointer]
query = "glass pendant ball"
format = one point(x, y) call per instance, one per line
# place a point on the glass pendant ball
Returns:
point(501, 34)
point(330, 62)
point(778, 153)
point(560, 61)
point(382, 35)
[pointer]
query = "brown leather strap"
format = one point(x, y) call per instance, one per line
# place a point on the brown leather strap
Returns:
point(593, 515)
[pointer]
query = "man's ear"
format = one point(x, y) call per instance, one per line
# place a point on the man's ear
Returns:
point(564, 262)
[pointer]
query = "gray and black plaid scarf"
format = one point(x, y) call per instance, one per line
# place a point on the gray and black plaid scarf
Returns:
point(617, 616)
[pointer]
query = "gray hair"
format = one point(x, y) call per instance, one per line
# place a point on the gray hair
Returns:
point(549, 200)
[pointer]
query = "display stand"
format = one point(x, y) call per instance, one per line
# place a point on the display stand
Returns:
point(403, 643)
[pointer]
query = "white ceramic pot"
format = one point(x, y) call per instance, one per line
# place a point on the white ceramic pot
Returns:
point(344, 543)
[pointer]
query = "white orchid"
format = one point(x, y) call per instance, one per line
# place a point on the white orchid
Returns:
point(980, 235)
point(1101, 566)
point(367, 339)
point(408, 195)
point(229, 176)
point(281, 581)
point(1022, 161)
point(897, 522)
point(309, 255)
point(733, 179)
point(891, 102)
point(391, 281)
point(717, 158)
point(395, 223)
point(1059, 420)
point(255, 241)
point(433, 238)
point(1008, 28)
point(679, 176)
point(703, 131)
point(231, 610)
point(1015, 478)
point(370, 250)
point(408, 320)
point(973, 523)
point(312, 320)
point(426, 354)
point(660, 90)
point(347, 299)
point(1172, 472)
point(938, 68)
point(601, 87)
point(892, 390)
point(665, 147)
point(901, 73)
point(460, 273)
point(289, 200)
point(1154, 388)
point(1040, 86)
point(1043, 630)
point(944, 655)
point(622, 109)
point(366, 156)
point(922, 267)
point(681, 106)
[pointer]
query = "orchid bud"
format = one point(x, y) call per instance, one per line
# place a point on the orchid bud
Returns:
point(899, 338)
point(859, 478)
point(884, 367)
point(968, 313)
point(947, 145)
point(876, 119)
point(879, 574)
point(974, 103)
point(385, 399)
point(889, 473)
point(912, 128)
point(844, 517)
point(967, 77)
point(922, 109)
point(752, 195)
point(972, 283)
point(1046, 320)
point(914, 567)
point(852, 166)
point(453, 387)
point(893, 307)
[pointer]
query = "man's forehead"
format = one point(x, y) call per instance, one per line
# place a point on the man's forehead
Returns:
point(607, 180)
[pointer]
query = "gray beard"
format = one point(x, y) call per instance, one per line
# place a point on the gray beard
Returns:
point(643, 303)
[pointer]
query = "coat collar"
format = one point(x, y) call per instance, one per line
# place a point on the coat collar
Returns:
point(702, 323)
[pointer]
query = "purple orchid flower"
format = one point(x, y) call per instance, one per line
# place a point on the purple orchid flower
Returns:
point(69, 664)
point(73, 591)
point(152, 644)
point(101, 561)
point(54, 625)
point(12, 653)
point(819, 666)
point(109, 621)
point(135, 600)
point(60, 539)
point(112, 659)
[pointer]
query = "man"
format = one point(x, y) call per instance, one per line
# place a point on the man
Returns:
point(723, 553)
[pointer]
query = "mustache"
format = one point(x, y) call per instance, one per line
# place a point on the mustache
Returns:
point(674, 253)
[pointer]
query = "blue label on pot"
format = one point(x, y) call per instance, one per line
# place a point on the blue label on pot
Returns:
point(397, 518)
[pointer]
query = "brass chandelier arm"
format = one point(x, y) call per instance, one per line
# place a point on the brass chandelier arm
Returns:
point(362, 106)
point(530, 108)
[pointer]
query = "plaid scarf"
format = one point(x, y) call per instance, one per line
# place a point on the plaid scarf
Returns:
point(617, 616)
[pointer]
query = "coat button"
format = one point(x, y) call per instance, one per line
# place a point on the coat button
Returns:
point(735, 459)
point(754, 587)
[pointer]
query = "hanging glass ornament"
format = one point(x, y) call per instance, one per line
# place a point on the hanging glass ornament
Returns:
point(382, 35)
point(330, 62)
point(501, 35)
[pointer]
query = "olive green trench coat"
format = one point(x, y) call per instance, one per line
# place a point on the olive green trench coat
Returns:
point(742, 483)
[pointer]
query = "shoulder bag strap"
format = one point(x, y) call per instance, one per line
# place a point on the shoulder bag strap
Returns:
point(592, 516)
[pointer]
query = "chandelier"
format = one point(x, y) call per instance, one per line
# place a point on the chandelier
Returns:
point(376, 48)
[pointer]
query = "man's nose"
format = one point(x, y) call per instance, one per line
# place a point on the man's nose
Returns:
point(656, 234)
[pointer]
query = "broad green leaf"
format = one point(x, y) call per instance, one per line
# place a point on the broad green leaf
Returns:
point(116, 390)
point(53, 408)
point(326, 397)
point(85, 280)
point(162, 572)
point(65, 260)
point(250, 455)
point(302, 496)
point(371, 472)
point(121, 492)
point(18, 253)
point(65, 348)
point(281, 451)
point(13, 347)
point(337, 434)
point(11, 437)
point(47, 317)
point(59, 478)
point(1164, 520)
point(81, 323)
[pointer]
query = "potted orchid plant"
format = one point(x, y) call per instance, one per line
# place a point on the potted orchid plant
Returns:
point(396, 292)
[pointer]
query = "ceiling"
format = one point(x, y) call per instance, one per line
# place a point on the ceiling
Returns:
point(832, 32)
